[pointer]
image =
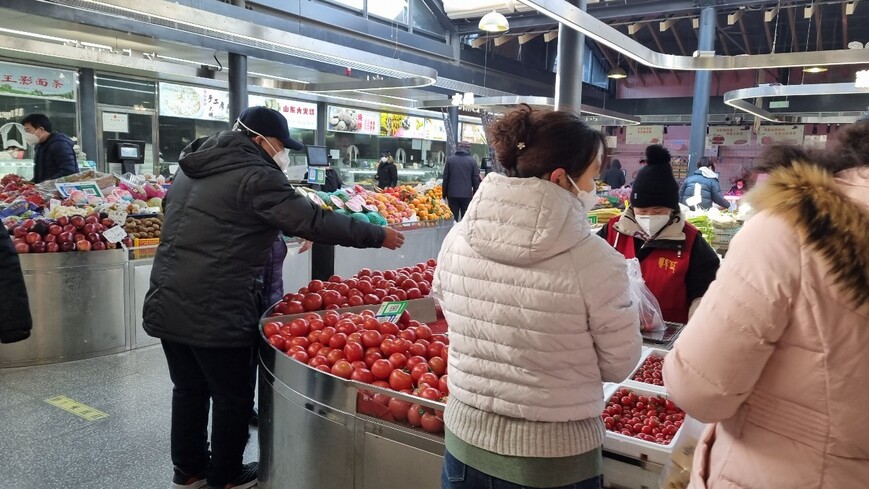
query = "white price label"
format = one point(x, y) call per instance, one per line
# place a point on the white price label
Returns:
point(115, 234)
point(54, 203)
point(120, 217)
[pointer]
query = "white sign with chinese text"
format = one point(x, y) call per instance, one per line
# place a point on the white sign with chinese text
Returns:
point(30, 81)
point(113, 122)
point(299, 115)
point(644, 135)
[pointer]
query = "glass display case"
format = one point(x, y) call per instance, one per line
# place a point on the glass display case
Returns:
point(406, 176)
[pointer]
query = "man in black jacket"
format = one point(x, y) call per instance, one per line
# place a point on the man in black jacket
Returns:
point(229, 201)
point(461, 180)
point(15, 321)
point(54, 156)
point(387, 172)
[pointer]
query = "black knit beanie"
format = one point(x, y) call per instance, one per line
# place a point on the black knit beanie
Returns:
point(655, 185)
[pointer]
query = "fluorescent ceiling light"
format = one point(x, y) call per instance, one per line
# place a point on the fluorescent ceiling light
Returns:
point(493, 22)
point(37, 36)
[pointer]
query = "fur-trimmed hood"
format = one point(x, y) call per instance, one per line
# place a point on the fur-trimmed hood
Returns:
point(832, 214)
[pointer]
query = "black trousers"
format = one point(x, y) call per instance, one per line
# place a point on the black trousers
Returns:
point(458, 206)
point(222, 376)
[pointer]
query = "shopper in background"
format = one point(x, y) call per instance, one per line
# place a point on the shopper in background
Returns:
point(228, 203)
point(642, 165)
point(677, 263)
point(702, 189)
point(533, 328)
point(738, 188)
point(333, 180)
point(54, 156)
point(615, 177)
point(461, 180)
point(387, 172)
point(775, 357)
point(15, 320)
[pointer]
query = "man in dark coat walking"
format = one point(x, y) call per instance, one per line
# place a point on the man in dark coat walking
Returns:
point(461, 180)
point(15, 321)
point(229, 201)
point(54, 156)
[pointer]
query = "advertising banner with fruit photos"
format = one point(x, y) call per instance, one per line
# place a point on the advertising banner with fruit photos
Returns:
point(730, 135)
point(343, 119)
point(644, 135)
point(299, 115)
point(769, 135)
point(401, 126)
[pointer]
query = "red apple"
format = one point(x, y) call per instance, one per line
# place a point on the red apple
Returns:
point(22, 248)
point(65, 236)
point(69, 228)
point(19, 232)
point(52, 247)
point(38, 247)
point(77, 221)
point(50, 238)
point(55, 229)
point(62, 221)
point(67, 246)
point(92, 219)
point(99, 246)
point(32, 237)
point(83, 245)
point(90, 228)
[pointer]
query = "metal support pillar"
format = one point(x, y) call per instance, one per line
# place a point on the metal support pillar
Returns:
point(237, 78)
point(453, 117)
point(568, 79)
point(322, 120)
point(87, 136)
point(702, 87)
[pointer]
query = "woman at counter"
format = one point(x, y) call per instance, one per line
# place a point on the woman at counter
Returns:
point(523, 268)
point(677, 263)
point(387, 172)
point(775, 356)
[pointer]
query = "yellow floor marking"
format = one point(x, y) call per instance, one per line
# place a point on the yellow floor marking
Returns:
point(77, 408)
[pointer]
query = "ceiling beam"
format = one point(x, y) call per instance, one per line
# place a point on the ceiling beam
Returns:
point(808, 11)
point(735, 17)
point(850, 7)
point(744, 32)
point(635, 27)
point(525, 38)
point(844, 26)
point(819, 39)
point(550, 36)
point(501, 40)
point(437, 8)
point(661, 49)
point(768, 16)
point(679, 42)
point(665, 25)
point(480, 41)
point(795, 44)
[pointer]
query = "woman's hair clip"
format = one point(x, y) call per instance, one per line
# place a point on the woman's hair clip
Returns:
point(520, 146)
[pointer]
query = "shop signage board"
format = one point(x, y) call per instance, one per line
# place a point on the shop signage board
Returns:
point(435, 130)
point(299, 115)
point(343, 119)
point(473, 133)
point(786, 134)
point(193, 102)
point(401, 126)
point(730, 135)
point(644, 135)
point(31, 81)
point(815, 141)
point(612, 142)
point(113, 122)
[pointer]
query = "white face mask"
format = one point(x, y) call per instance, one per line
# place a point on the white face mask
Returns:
point(31, 139)
point(652, 225)
point(383, 160)
point(282, 158)
point(588, 199)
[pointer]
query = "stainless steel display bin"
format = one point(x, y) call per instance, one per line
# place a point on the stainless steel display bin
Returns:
point(311, 436)
point(421, 241)
point(79, 302)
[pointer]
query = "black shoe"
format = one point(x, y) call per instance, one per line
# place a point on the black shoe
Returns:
point(254, 418)
point(245, 480)
point(183, 481)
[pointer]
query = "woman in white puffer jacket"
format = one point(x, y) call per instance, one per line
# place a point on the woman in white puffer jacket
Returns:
point(539, 313)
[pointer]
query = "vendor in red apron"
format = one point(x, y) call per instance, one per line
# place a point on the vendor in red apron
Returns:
point(677, 263)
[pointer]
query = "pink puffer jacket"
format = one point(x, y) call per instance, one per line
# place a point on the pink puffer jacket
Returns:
point(777, 355)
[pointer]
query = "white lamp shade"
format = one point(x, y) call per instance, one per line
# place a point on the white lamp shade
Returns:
point(493, 22)
point(617, 73)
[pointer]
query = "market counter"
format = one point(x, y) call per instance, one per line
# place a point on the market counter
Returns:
point(79, 305)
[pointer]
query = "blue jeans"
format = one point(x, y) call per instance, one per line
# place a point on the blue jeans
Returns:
point(456, 475)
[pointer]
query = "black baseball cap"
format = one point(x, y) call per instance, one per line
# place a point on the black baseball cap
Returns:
point(269, 123)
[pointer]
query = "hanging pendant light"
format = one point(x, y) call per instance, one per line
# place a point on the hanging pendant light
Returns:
point(493, 22)
point(617, 73)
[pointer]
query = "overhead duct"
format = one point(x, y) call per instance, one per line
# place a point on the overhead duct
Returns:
point(739, 99)
point(509, 102)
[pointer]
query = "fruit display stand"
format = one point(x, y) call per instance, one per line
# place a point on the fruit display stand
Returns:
point(422, 241)
point(79, 303)
point(312, 435)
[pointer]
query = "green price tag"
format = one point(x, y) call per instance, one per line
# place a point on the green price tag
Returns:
point(391, 311)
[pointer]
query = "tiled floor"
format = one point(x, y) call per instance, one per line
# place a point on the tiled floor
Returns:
point(45, 447)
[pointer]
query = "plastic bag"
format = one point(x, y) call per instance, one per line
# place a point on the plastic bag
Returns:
point(651, 318)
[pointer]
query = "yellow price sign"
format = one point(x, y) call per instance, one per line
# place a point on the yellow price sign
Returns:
point(77, 408)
